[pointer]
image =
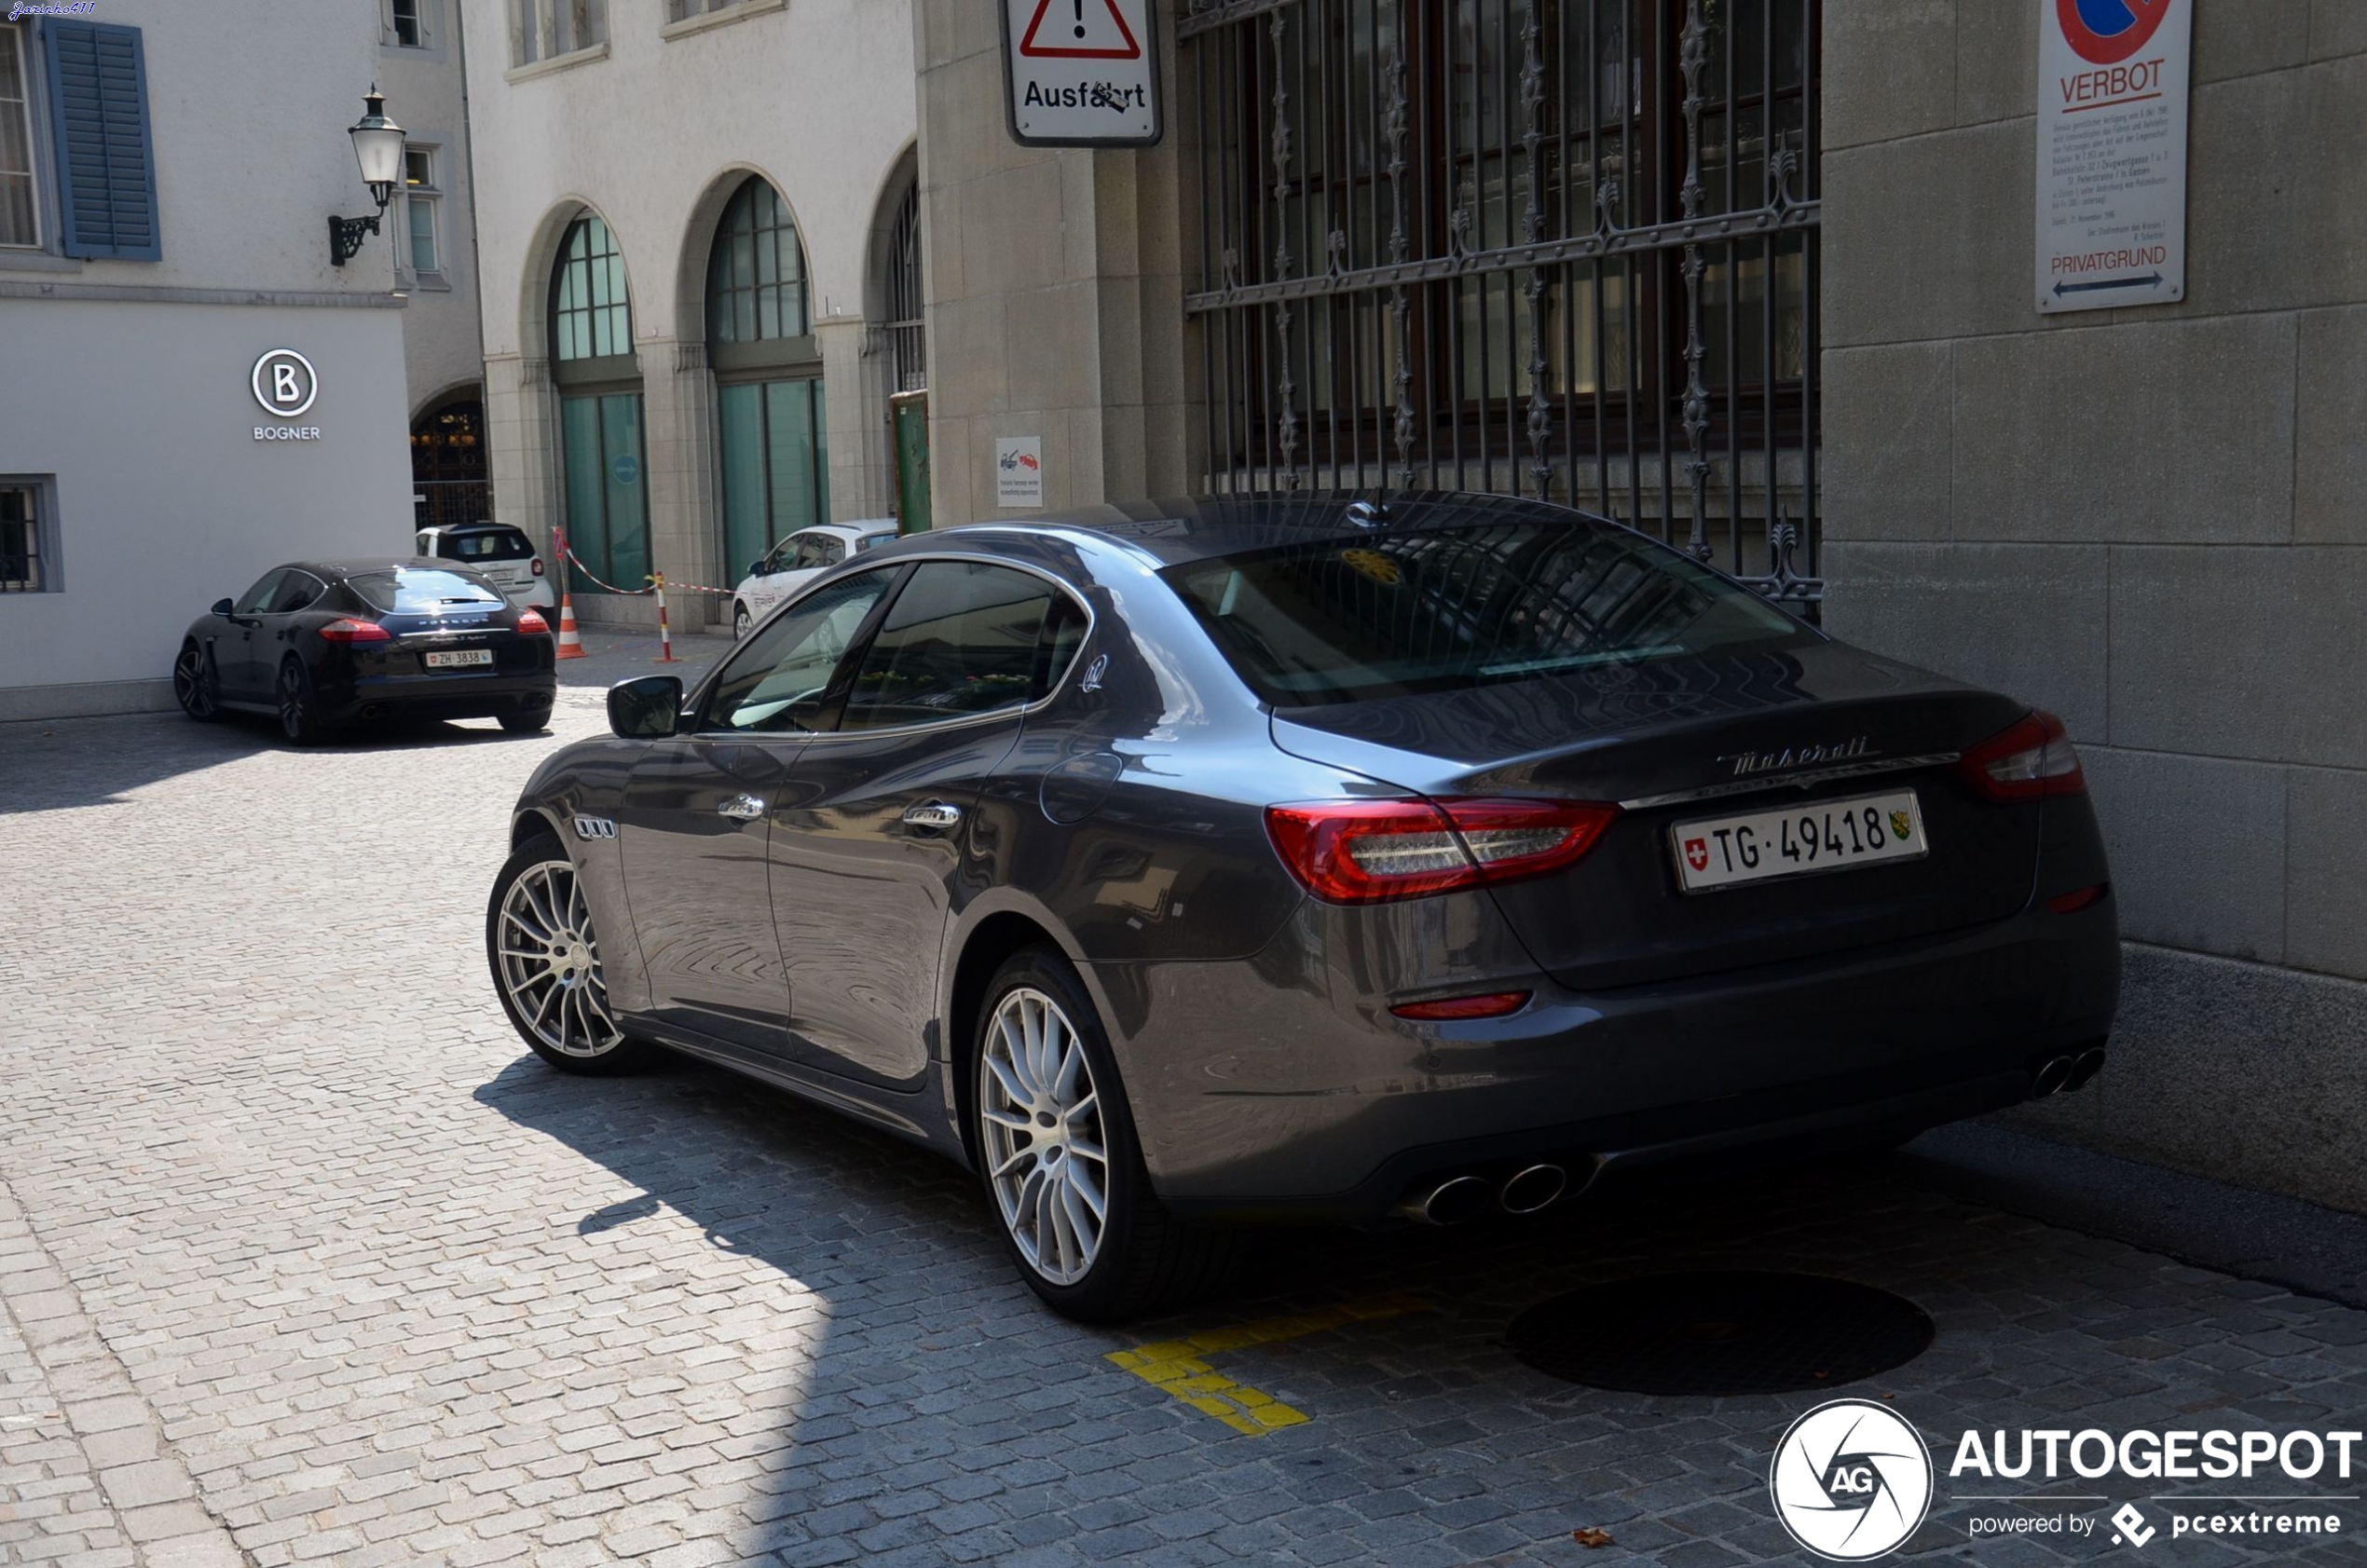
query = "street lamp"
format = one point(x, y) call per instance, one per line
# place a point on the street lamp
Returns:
point(377, 145)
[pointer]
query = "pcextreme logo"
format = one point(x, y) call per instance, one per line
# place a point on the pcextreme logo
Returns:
point(1850, 1480)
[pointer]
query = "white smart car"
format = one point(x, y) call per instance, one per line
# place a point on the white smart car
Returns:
point(796, 559)
point(501, 551)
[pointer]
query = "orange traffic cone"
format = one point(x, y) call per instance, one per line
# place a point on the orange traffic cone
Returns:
point(570, 641)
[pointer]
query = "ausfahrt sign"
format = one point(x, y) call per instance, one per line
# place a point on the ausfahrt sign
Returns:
point(2112, 152)
point(1082, 72)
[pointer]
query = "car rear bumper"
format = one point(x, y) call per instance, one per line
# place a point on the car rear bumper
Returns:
point(456, 694)
point(1262, 1093)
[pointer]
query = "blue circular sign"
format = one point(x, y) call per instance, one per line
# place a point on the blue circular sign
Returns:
point(626, 470)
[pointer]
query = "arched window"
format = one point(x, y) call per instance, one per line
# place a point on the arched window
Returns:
point(599, 381)
point(769, 412)
point(449, 478)
point(756, 275)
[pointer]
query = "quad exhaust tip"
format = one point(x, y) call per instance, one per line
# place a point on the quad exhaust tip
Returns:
point(2052, 1077)
point(1452, 1202)
point(2085, 1068)
point(1527, 1191)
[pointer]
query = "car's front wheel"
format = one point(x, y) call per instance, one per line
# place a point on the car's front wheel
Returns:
point(545, 958)
point(193, 685)
point(1061, 1166)
point(741, 622)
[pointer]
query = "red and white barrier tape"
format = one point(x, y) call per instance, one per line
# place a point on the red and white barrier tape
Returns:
point(681, 587)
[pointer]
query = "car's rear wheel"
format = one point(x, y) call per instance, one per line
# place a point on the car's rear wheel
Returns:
point(1059, 1159)
point(741, 622)
point(193, 685)
point(545, 958)
point(526, 721)
point(299, 723)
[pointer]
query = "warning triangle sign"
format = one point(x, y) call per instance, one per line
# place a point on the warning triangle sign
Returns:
point(1092, 30)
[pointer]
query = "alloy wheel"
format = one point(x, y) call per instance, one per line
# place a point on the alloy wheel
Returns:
point(189, 685)
point(741, 624)
point(294, 723)
point(550, 962)
point(1046, 1156)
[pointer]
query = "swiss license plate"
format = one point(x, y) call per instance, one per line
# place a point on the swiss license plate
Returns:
point(1820, 836)
point(460, 659)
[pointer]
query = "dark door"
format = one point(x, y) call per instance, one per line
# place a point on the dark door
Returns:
point(869, 844)
point(278, 628)
point(237, 660)
point(697, 817)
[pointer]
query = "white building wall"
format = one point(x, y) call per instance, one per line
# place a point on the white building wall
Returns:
point(653, 132)
point(427, 94)
point(124, 384)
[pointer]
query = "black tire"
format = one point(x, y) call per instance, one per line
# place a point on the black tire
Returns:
point(1146, 1259)
point(299, 721)
point(528, 721)
point(621, 1054)
point(742, 624)
point(195, 686)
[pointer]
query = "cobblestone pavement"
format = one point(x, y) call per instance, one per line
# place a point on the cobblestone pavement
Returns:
point(304, 1258)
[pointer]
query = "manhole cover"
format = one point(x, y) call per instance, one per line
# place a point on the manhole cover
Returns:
point(1720, 1334)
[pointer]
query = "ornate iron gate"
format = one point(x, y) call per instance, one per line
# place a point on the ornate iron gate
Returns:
point(1560, 248)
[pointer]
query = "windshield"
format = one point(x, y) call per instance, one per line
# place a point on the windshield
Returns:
point(493, 544)
point(1348, 620)
point(422, 590)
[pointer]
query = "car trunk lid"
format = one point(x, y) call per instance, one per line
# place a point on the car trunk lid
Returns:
point(1680, 741)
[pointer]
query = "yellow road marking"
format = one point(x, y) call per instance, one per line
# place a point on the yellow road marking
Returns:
point(1180, 1367)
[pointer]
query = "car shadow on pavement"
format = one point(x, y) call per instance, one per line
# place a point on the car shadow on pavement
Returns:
point(937, 1362)
point(51, 765)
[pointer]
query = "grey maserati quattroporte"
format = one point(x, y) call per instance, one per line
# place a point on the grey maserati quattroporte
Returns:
point(1262, 859)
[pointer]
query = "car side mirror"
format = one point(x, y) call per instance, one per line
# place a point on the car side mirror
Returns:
point(649, 708)
point(222, 606)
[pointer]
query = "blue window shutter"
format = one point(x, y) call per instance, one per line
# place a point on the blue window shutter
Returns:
point(106, 162)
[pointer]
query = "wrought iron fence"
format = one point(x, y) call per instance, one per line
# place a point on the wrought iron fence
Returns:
point(1562, 247)
point(439, 503)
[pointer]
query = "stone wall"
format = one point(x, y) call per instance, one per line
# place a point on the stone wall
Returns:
point(2153, 521)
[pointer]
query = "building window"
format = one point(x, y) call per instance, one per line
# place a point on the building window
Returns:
point(771, 425)
point(600, 417)
point(683, 10)
point(906, 329)
point(97, 81)
point(547, 29)
point(19, 211)
point(423, 203)
point(410, 27)
point(25, 552)
point(756, 275)
point(592, 308)
point(449, 476)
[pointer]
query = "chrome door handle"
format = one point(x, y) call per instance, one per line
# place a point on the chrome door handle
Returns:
point(932, 815)
point(741, 807)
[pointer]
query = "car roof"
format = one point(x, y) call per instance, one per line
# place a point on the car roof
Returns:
point(1177, 532)
point(856, 529)
point(487, 526)
point(347, 565)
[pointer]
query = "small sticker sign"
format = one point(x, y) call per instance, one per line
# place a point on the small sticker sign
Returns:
point(1082, 72)
point(1019, 471)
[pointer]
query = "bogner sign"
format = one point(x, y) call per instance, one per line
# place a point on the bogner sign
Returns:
point(2112, 152)
point(1082, 72)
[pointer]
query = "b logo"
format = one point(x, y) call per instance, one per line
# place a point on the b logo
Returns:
point(285, 384)
point(2107, 32)
point(1850, 1480)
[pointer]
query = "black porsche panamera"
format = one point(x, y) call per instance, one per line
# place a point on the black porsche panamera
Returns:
point(327, 645)
point(1312, 858)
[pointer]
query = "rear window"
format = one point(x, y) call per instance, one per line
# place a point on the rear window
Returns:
point(492, 544)
point(422, 590)
point(1399, 614)
point(867, 542)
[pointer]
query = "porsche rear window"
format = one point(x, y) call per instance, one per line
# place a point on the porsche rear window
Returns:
point(1402, 613)
point(422, 590)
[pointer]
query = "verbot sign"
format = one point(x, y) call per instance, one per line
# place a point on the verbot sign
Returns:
point(2112, 152)
point(1082, 72)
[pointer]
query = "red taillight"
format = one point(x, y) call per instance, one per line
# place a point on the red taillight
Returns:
point(2072, 903)
point(532, 623)
point(1493, 1004)
point(2031, 760)
point(537, 565)
point(351, 630)
point(1365, 852)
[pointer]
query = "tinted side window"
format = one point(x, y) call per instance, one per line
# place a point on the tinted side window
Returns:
point(254, 600)
point(794, 657)
point(961, 638)
point(829, 552)
point(297, 590)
